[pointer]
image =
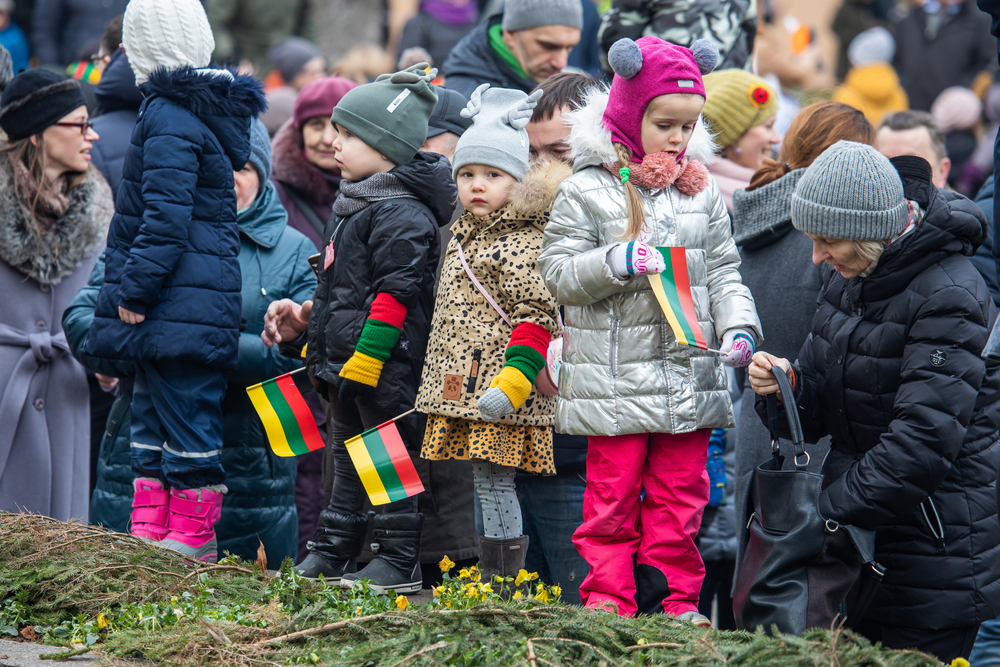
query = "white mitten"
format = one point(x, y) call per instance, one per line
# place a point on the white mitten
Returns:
point(737, 347)
point(634, 258)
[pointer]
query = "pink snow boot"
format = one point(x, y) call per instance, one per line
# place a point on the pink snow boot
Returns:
point(193, 514)
point(149, 509)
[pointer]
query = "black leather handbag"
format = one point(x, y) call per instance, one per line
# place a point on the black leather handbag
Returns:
point(799, 570)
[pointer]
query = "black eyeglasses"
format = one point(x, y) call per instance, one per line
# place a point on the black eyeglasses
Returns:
point(84, 126)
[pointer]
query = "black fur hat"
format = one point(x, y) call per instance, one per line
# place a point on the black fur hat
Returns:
point(35, 100)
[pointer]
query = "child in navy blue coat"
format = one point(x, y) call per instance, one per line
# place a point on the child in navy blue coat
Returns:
point(171, 294)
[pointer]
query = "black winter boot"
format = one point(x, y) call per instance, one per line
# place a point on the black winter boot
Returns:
point(501, 557)
point(397, 555)
point(339, 540)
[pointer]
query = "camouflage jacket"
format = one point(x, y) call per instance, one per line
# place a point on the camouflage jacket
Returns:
point(731, 24)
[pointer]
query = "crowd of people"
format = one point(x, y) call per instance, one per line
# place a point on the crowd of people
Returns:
point(470, 249)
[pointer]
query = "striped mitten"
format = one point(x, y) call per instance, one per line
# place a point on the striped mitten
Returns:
point(378, 337)
point(525, 358)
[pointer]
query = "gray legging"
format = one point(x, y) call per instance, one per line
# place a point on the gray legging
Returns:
point(501, 511)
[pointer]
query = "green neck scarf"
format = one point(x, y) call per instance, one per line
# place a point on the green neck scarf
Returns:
point(496, 41)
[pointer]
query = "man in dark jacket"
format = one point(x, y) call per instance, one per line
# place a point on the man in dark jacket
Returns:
point(118, 102)
point(61, 28)
point(171, 296)
point(518, 49)
point(892, 372)
point(370, 317)
point(941, 44)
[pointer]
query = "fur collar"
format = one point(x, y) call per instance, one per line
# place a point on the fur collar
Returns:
point(591, 141)
point(205, 93)
point(74, 237)
point(290, 167)
point(536, 192)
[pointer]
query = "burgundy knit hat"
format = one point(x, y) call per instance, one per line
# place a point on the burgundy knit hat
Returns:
point(319, 98)
point(645, 69)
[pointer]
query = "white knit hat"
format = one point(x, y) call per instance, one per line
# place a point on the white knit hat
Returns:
point(166, 33)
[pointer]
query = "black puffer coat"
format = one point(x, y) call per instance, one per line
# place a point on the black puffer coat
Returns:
point(892, 372)
point(390, 246)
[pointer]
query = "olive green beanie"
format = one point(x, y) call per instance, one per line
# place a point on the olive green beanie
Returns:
point(735, 101)
point(390, 114)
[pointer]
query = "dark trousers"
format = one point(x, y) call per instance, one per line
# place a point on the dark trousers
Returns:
point(551, 511)
point(719, 576)
point(347, 494)
point(946, 645)
point(177, 423)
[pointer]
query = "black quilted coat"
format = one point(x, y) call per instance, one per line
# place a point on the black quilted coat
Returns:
point(892, 372)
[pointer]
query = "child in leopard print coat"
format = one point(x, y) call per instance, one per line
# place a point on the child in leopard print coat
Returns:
point(479, 370)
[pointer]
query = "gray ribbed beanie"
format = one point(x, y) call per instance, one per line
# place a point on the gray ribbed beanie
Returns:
point(852, 192)
point(525, 14)
point(497, 137)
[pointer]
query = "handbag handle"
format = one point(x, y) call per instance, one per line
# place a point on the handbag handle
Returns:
point(792, 415)
point(489, 299)
point(479, 286)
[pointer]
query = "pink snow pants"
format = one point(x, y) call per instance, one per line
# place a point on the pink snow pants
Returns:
point(641, 553)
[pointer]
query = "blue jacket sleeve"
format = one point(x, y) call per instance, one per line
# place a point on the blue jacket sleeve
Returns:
point(78, 317)
point(257, 362)
point(169, 178)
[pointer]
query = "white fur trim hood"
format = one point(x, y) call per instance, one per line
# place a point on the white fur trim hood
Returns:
point(591, 143)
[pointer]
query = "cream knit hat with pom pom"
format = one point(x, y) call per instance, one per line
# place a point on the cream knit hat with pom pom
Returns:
point(166, 33)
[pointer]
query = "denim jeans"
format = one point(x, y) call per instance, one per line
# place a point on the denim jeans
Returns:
point(986, 652)
point(551, 510)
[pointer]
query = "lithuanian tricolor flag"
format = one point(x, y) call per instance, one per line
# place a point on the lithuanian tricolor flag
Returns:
point(289, 424)
point(673, 290)
point(384, 465)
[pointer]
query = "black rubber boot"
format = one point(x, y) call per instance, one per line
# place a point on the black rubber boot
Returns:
point(501, 557)
point(339, 540)
point(397, 555)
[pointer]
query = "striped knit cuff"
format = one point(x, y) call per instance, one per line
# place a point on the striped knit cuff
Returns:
point(526, 351)
point(362, 368)
point(383, 327)
point(514, 384)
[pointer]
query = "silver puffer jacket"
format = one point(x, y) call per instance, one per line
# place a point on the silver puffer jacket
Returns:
point(622, 369)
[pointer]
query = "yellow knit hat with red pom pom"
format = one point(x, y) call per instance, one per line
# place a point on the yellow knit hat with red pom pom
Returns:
point(735, 101)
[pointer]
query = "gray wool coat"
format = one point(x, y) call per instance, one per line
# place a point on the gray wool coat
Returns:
point(44, 401)
point(778, 269)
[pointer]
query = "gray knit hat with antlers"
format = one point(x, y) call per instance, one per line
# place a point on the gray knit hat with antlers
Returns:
point(497, 137)
point(390, 114)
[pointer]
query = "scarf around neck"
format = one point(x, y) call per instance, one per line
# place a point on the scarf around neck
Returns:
point(357, 195)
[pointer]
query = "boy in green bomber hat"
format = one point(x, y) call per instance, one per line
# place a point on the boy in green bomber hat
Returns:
point(368, 323)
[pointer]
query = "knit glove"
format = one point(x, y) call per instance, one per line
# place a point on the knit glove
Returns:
point(378, 337)
point(634, 258)
point(525, 358)
point(737, 347)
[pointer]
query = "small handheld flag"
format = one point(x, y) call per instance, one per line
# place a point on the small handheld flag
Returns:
point(287, 420)
point(673, 290)
point(383, 464)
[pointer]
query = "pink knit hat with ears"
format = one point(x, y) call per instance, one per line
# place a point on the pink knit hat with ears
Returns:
point(645, 69)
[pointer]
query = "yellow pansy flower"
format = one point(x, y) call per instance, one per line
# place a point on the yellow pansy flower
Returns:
point(542, 596)
point(102, 621)
point(402, 602)
point(464, 573)
point(523, 576)
point(446, 564)
point(556, 591)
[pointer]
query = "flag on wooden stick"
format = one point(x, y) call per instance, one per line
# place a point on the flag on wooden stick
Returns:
point(287, 420)
point(384, 465)
point(673, 290)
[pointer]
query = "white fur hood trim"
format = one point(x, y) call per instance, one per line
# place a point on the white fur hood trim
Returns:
point(591, 143)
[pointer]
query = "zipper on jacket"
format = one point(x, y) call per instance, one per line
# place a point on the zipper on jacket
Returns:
point(939, 532)
point(615, 322)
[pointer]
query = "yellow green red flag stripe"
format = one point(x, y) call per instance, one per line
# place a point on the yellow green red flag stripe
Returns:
point(673, 291)
point(384, 465)
point(288, 422)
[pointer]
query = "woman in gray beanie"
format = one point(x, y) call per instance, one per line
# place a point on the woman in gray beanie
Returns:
point(892, 372)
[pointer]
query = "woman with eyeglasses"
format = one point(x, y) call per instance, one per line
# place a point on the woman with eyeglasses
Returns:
point(54, 215)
